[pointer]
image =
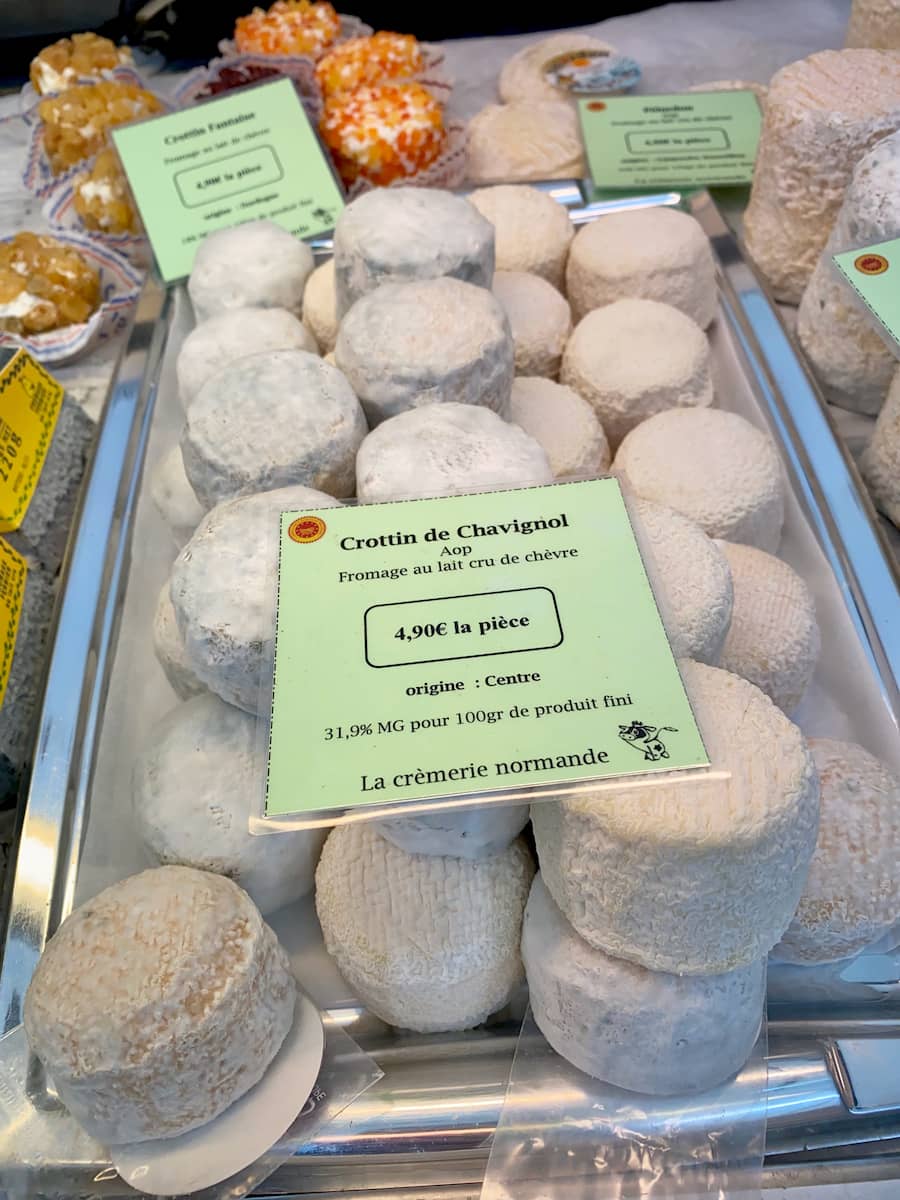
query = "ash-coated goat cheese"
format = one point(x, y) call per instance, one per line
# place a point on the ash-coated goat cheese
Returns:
point(194, 787)
point(523, 77)
point(223, 591)
point(851, 360)
point(446, 448)
point(429, 943)
point(822, 114)
point(773, 640)
point(25, 681)
point(413, 344)
point(531, 231)
point(646, 1031)
point(874, 23)
point(563, 422)
point(168, 645)
point(648, 254)
point(712, 466)
point(174, 497)
point(254, 265)
point(687, 876)
point(320, 307)
point(457, 832)
point(634, 358)
point(880, 462)
point(852, 892)
point(524, 141)
point(405, 234)
point(158, 1004)
point(539, 320)
point(306, 426)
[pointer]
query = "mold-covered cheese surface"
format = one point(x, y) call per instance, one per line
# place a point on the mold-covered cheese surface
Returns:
point(880, 462)
point(174, 497)
point(563, 422)
point(532, 232)
point(539, 320)
point(168, 645)
point(254, 265)
point(524, 141)
point(460, 832)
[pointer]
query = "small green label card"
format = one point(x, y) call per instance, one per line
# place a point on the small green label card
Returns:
point(874, 274)
point(248, 154)
point(470, 644)
point(688, 139)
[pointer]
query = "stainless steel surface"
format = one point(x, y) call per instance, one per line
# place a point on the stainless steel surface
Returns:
point(867, 1072)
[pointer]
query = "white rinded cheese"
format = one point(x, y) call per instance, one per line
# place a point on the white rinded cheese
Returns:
point(634, 358)
point(852, 893)
point(880, 462)
point(272, 420)
point(427, 943)
point(646, 1031)
point(532, 232)
point(822, 114)
point(223, 589)
point(715, 467)
point(158, 1004)
point(849, 357)
point(874, 23)
point(683, 875)
point(446, 448)
point(412, 344)
point(539, 320)
point(563, 423)
point(195, 783)
point(405, 234)
point(215, 344)
point(174, 497)
point(522, 142)
point(320, 307)
point(774, 637)
point(759, 90)
point(522, 77)
point(168, 645)
point(254, 265)
point(457, 832)
point(649, 254)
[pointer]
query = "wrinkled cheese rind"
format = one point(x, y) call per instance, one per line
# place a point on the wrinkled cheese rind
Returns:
point(539, 320)
point(254, 265)
point(522, 77)
point(460, 833)
point(880, 462)
point(174, 497)
point(320, 307)
point(168, 644)
point(563, 423)
point(524, 141)
point(874, 23)
point(532, 232)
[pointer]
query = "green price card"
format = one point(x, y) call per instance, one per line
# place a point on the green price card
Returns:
point(470, 644)
point(874, 274)
point(242, 156)
point(688, 139)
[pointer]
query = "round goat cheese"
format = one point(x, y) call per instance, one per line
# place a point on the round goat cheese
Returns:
point(524, 141)
point(406, 234)
point(446, 448)
point(174, 497)
point(412, 344)
point(158, 1004)
point(532, 232)
point(852, 892)
point(168, 645)
point(712, 466)
point(434, 944)
point(459, 833)
point(634, 358)
point(774, 637)
point(539, 320)
point(647, 254)
point(874, 23)
point(646, 1031)
point(254, 265)
point(563, 423)
point(269, 421)
point(523, 77)
point(687, 876)
point(880, 462)
point(320, 307)
point(223, 590)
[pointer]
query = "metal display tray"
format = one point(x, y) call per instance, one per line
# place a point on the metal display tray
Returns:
point(834, 1033)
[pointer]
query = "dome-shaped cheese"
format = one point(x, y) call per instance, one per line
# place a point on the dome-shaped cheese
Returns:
point(524, 141)
point(880, 462)
point(320, 307)
point(874, 23)
point(459, 833)
point(254, 265)
point(174, 497)
point(563, 423)
point(168, 645)
point(532, 232)
point(539, 320)
point(684, 876)
point(523, 78)
point(158, 1004)
point(427, 943)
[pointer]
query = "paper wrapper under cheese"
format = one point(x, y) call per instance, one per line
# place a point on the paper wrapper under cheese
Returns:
point(447, 171)
point(59, 211)
point(298, 68)
point(29, 99)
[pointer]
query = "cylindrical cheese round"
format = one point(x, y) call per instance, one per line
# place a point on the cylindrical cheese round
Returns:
point(457, 832)
point(320, 307)
point(539, 320)
point(158, 1004)
point(254, 265)
point(168, 645)
point(874, 23)
point(532, 232)
point(563, 423)
point(524, 141)
point(880, 462)
point(174, 497)
point(523, 78)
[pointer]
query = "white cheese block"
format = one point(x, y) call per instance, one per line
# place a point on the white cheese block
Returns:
point(426, 943)
point(646, 1031)
point(223, 590)
point(168, 644)
point(714, 467)
point(404, 234)
point(254, 265)
point(215, 344)
point(522, 77)
point(880, 462)
point(458, 833)
point(634, 358)
point(174, 497)
point(539, 320)
point(320, 307)
point(443, 449)
point(686, 876)
point(822, 114)
point(412, 344)
point(532, 232)
point(851, 360)
point(269, 421)
point(650, 254)
point(524, 141)
point(874, 23)
point(563, 423)
point(759, 90)
point(774, 637)
point(158, 1004)
point(195, 784)
point(852, 893)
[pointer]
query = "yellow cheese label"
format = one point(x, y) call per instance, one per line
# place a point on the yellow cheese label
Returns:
point(13, 570)
point(30, 400)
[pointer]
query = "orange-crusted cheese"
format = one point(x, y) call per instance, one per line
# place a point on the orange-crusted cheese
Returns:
point(382, 134)
point(366, 61)
point(288, 27)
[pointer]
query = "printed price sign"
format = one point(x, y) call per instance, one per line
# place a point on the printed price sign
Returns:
point(874, 274)
point(248, 154)
point(13, 572)
point(692, 139)
point(30, 400)
point(470, 644)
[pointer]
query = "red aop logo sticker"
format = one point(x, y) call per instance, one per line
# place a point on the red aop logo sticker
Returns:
point(871, 264)
point(306, 529)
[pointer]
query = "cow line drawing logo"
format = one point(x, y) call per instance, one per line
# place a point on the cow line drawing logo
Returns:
point(646, 739)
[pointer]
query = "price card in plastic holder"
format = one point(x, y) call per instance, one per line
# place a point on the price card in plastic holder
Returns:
point(874, 274)
point(469, 644)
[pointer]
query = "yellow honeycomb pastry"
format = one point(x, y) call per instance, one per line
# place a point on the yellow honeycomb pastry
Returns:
point(83, 54)
point(77, 120)
point(44, 285)
point(102, 198)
